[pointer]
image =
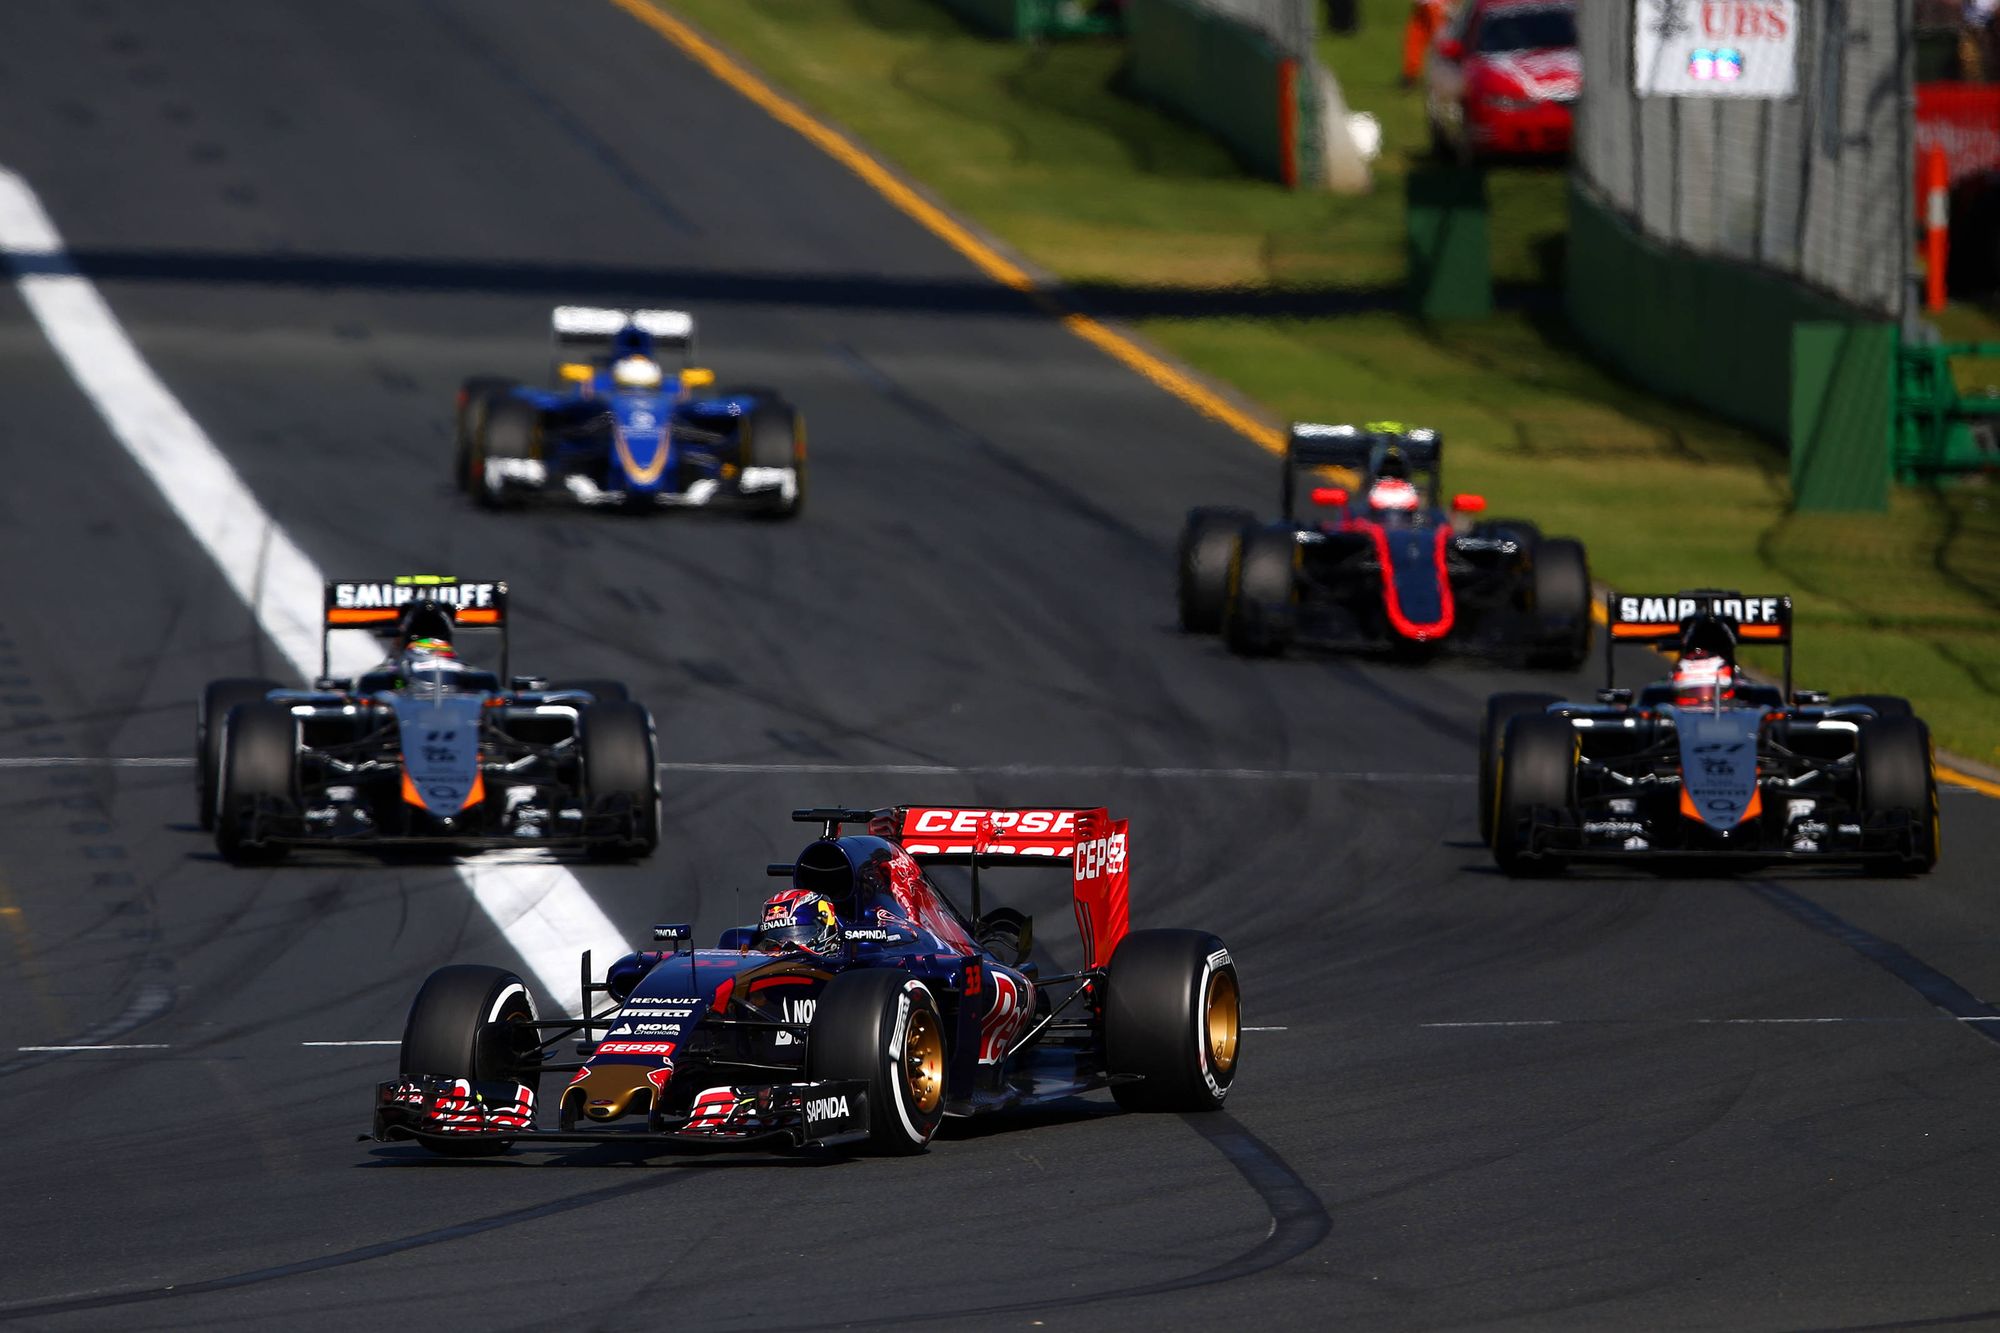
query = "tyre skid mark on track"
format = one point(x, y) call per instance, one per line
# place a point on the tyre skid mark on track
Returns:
point(1299, 1221)
point(1974, 1013)
point(362, 1254)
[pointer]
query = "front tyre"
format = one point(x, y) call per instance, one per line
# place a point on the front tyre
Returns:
point(1262, 612)
point(1536, 779)
point(211, 713)
point(468, 1022)
point(1173, 1018)
point(1898, 773)
point(1562, 605)
point(774, 449)
point(1500, 710)
point(1208, 545)
point(256, 781)
point(881, 1027)
point(621, 779)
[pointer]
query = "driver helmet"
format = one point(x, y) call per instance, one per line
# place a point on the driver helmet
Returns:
point(1703, 680)
point(801, 919)
point(429, 651)
point(636, 372)
point(1393, 493)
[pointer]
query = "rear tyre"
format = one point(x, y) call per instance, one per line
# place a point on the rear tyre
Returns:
point(774, 436)
point(601, 691)
point(1562, 605)
point(620, 779)
point(1208, 543)
point(1885, 705)
point(1536, 781)
point(463, 1025)
point(473, 396)
point(1899, 778)
point(1500, 710)
point(210, 712)
point(1173, 1016)
point(1261, 613)
point(510, 430)
point(256, 781)
point(881, 1027)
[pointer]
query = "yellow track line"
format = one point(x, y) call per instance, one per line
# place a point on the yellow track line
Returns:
point(996, 265)
point(948, 229)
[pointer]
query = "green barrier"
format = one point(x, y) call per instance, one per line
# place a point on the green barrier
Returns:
point(1022, 20)
point(1228, 78)
point(1843, 388)
point(1938, 429)
point(1451, 257)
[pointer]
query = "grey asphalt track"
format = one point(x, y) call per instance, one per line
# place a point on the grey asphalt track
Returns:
point(316, 217)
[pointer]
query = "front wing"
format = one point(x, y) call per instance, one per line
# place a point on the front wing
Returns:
point(446, 1111)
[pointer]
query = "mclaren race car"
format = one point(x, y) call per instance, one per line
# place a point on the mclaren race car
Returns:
point(861, 1009)
point(621, 428)
point(1366, 553)
point(425, 748)
point(1706, 764)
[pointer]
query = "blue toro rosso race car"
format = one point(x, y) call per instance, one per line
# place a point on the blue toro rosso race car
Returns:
point(622, 429)
point(1366, 554)
point(861, 1008)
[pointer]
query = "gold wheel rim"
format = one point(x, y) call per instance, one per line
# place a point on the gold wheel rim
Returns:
point(923, 1060)
point(1222, 1018)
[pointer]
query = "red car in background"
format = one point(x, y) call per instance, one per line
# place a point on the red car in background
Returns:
point(1502, 80)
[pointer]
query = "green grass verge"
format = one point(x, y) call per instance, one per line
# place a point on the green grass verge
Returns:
point(1036, 145)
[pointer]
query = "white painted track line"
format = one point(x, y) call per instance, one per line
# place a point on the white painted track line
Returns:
point(543, 910)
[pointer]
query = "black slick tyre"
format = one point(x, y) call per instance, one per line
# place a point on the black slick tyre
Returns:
point(1173, 1017)
point(1500, 710)
point(509, 430)
point(1262, 610)
point(620, 780)
point(256, 781)
point(1536, 782)
point(1208, 544)
point(473, 397)
point(881, 1027)
point(774, 436)
point(600, 691)
point(1898, 778)
point(211, 712)
point(463, 1024)
point(1562, 604)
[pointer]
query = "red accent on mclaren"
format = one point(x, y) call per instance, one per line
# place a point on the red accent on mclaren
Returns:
point(1329, 495)
point(1393, 604)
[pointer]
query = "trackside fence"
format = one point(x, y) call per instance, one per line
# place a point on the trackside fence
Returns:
point(1245, 71)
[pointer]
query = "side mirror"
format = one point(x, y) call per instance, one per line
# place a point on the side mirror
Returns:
point(576, 372)
point(1451, 49)
point(1469, 504)
point(1617, 695)
point(697, 378)
point(1329, 495)
point(1809, 697)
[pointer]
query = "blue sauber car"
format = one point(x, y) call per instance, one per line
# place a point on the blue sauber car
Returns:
point(623, 428)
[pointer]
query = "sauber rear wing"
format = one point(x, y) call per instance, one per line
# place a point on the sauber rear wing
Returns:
point(377, 605)
point(1663, 619)
point(582, 332)
point(1086, 840)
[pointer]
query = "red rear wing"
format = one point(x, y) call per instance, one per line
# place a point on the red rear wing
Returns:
point(1090, 840)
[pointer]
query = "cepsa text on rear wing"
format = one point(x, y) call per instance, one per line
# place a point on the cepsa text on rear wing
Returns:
point(1094, 844)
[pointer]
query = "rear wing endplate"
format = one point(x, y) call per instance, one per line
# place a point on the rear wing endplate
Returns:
point(377, 605)
point(1086, 840)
